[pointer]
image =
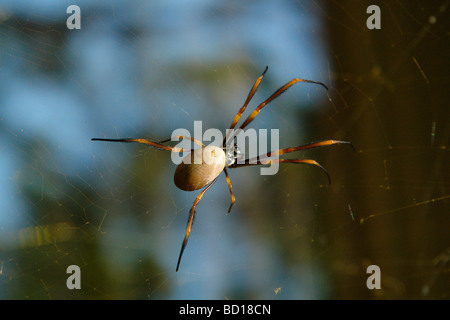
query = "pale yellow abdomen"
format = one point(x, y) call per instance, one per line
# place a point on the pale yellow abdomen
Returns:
point(190, 176)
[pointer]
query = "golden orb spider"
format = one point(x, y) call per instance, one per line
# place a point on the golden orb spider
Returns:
point(190, 176)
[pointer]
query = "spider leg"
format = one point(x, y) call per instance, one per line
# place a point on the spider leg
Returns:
point(184, 137)
point(249, 97)
point(262, 159)
point(233, 199)
point(270, 161)
point(191, 220)
point(303, 147)
point(274, 95)
point(147, 142)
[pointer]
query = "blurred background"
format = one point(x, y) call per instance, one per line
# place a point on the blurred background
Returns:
point(144, 68)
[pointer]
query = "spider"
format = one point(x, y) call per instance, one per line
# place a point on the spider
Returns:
point(190, 176)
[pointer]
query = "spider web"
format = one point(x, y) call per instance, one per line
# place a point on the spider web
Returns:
point(144, 69)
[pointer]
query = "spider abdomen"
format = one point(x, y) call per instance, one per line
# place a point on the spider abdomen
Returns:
point(190, 176)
